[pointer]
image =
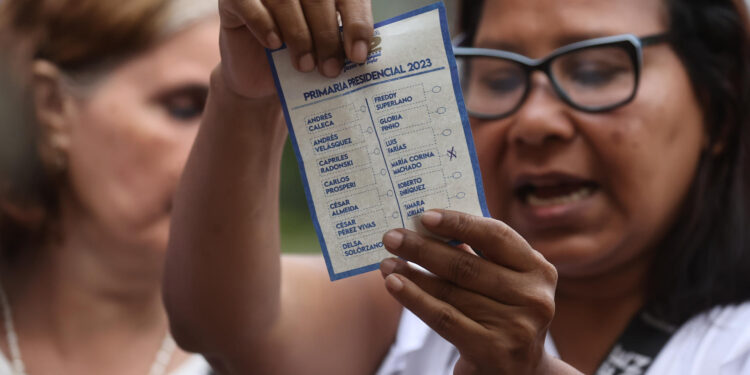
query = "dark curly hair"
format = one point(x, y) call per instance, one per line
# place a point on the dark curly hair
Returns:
point(704, 260)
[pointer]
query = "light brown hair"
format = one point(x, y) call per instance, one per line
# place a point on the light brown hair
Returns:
point(74, 34)
point(77, 36)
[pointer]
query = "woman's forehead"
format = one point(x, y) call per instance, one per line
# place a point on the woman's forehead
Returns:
point(538, 26)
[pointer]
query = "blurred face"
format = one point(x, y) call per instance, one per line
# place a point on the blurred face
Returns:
point(592, 192)
point(130, 139)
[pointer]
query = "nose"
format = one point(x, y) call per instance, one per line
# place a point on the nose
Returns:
point(542, 119)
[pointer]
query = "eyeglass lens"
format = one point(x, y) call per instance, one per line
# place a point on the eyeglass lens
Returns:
point(591, 78)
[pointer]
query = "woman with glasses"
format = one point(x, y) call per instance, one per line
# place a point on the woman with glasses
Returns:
point(613, 142)
point(594, 75)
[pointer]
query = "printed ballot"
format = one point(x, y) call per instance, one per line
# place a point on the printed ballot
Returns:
point(384, 141)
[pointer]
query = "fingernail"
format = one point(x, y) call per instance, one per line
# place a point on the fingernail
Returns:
point(331, 67)
point(359, 51)
point(432, 218)
point(388, 265)
point(392, 239)
point(273, 40)
point(393, 283)
point(307, 63)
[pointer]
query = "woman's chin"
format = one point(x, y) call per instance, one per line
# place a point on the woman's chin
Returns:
point(578, 253)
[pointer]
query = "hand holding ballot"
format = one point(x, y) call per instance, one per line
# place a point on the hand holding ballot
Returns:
point(382, 143)
point(494, 309)
point(309, 29)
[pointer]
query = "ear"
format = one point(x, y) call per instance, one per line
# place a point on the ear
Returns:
point(54, 112)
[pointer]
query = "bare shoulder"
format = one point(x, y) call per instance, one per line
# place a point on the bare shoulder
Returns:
point(305, 280)
point(346, 326)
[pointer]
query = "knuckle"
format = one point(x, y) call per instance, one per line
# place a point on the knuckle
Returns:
point(543, 305)
point(546, 270)
point(462, 223)
point(464, 268)
point(523, 336)
point(359, 27)
point(327, 38)
point(444, 319)
point(526, 332)
point(444, 292)
point(256, 19)
point(550, 273)
point(501, 232)
point(300, 38)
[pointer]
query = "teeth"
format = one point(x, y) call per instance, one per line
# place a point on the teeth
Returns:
point(574, 196)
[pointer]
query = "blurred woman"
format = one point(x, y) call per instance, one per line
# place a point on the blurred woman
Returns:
point(613, 139)
point(116, 92)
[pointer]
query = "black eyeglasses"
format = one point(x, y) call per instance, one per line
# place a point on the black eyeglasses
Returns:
point(594, 75)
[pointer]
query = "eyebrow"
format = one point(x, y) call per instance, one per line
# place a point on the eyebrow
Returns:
point(560, 41)
point(185, 86)
point(189, 88)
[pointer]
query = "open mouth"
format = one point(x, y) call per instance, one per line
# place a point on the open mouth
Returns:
point(554, 191)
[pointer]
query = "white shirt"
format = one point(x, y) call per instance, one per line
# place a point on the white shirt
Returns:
point(717, 342)
point(194, 365)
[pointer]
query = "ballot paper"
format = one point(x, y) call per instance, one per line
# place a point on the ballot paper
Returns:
point(383, 142)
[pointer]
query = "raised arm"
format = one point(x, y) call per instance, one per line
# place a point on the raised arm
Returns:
point(228, 293)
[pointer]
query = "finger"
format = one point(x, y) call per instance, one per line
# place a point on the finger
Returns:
point(459, 267)
point(356, 16)
point(253, 15)
point(475, 306)
point(493, 238)
point(323, 23)
point(291, 21)
point(443, 318)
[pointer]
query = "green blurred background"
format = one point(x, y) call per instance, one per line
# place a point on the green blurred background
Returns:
point(297, 231)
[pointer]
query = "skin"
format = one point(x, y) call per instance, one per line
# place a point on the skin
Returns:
point(496, 310)
point(642, 156)
point(89, 303)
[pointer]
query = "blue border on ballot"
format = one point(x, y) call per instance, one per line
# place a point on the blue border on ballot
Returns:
point(464, 119)
point(300, 163)
point(462, 109)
